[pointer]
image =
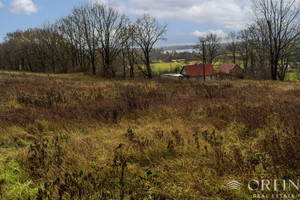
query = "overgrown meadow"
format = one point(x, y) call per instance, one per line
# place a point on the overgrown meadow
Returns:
point(79, 137)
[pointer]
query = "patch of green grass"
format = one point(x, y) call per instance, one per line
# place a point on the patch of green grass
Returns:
point(13, 183)
point(159, 68)
point(292, 76)
point(175, 67)
point(170, 67)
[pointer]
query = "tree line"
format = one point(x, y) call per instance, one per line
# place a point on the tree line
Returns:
point(98, 39)
point(92, 38)
point(267, 46)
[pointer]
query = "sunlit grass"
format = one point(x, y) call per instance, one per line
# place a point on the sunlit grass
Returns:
point(81, 137)
point(292, 76)
point(13, 182)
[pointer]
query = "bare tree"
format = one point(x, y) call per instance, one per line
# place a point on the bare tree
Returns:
point(85, 31)
point(281, 20)
point(209, 48)
point(96, 32)
point(110, 28)
point(28, 49)
point(68, 30)
point(232, 45)
point(129, 51)
point(12, 56)
point(258, 54)
point(147, 32)
point(244, 48)
point(59, 49)
point(286, 58)
point(35, 50)
point(49, 41)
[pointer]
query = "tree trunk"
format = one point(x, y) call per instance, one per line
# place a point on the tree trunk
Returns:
point(30, 67)
point(234, 58)
point(131, 70)
point(149, 71)
point(94, 67)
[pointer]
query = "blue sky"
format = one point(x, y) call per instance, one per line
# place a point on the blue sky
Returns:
point(186, 19)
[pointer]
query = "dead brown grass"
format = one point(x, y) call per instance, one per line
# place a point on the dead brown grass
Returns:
point(79, 137)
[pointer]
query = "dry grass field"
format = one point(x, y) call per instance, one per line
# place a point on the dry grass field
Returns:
point(79, 137)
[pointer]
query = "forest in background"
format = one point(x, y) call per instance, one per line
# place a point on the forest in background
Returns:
point(97, 39)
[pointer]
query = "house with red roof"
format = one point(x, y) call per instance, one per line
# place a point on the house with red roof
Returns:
point(228, 71)
point(196, 72)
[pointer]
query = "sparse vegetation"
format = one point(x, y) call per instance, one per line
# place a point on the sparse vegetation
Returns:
point(79, 137)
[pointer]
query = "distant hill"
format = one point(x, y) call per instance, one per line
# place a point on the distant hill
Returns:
point(181, 47)
point(177, 47)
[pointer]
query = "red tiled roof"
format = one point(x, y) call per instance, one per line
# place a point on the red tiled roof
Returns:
point(197, 70)
point(226, 68)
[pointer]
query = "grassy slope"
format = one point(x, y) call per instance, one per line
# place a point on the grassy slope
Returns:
point(175, 67)
point(172, 67)
point(162, 67)
point(76, 137)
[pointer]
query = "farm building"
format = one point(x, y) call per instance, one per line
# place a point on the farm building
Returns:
point(228, 71)
point(195, 72)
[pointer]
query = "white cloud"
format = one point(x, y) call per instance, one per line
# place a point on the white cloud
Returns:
point(26, 7)
point(99, 2)
point(231, 14)
point(219, 33)
point(119, 5)
point(1, 5)
point(227, 13)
